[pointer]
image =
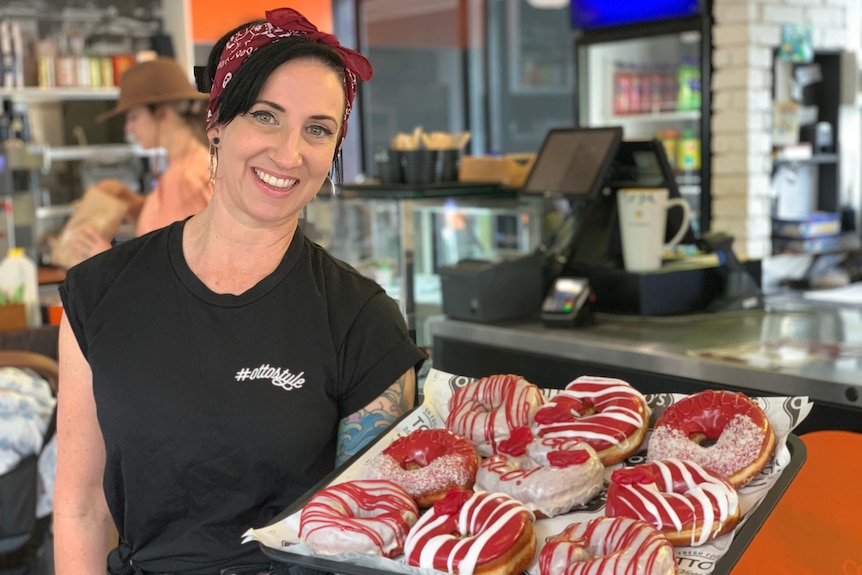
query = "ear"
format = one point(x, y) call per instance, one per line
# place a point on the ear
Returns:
point(161, 112)
point(214, 135)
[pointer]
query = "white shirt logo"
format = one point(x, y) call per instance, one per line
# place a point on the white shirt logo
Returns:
point(280, 377)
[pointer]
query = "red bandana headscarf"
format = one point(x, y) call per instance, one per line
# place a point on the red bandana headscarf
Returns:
point(282, 23)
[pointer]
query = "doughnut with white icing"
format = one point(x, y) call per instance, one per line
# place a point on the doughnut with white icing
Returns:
point(487, 410)
point(617, 545)
point(366, 516)
point(549, 479)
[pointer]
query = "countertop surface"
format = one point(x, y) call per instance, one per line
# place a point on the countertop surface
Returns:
point(790, 349)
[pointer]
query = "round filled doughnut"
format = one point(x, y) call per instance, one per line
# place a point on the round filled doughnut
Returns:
point(477, 533)
point(687, 503)
point(365, 516)
point(487, 410)
point(548, 480)
point(724, 432)
point(608, 545)
point(605, 412)
point(427, 463)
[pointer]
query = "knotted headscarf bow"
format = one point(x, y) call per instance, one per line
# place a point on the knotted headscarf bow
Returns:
point(282, 23)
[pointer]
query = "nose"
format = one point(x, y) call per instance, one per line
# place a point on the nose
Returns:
point(286, 151)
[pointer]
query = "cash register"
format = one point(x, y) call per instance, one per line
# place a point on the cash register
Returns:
point(584, 168)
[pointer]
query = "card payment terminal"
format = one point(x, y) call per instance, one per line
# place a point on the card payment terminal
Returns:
point(567, 302)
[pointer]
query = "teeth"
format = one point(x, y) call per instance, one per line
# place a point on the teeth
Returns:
point(273, 181)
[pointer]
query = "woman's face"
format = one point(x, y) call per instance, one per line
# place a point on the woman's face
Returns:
point(142, 127)
point(273, 159)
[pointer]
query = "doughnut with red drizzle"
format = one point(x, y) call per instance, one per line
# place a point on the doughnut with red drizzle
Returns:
point(605, 412)
point(487, 410)
point(687, 503)
point(619, 545)
point(722, 431)
point(468, 533)
point(366, 516)
point(548, 480)
point(427, 463)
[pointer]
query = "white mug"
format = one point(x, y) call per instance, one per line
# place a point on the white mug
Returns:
point(643, 217)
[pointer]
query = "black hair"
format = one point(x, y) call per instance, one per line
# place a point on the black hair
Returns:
point(244, 88)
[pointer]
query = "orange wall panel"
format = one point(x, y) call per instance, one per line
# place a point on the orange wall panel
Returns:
point(212, 18)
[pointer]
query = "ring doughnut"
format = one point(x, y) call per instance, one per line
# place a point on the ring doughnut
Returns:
point(366, 516)
point(689, 504)
point(549, 481)
point(486, 411)
point(477, 533)
point(427, 463)
point(605, 412)
point(722, 431)
point(608, 545)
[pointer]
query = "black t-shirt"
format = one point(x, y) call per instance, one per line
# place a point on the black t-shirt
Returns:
point(218, 411)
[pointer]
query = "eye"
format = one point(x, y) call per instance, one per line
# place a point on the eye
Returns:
point(319, 131)
point(263, 116)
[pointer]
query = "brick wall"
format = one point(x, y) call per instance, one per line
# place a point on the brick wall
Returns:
point(745, 34)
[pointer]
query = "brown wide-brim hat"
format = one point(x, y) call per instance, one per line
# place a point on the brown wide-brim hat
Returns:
point(152, 82)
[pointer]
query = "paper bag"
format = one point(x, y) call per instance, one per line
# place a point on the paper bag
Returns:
point(98, 209)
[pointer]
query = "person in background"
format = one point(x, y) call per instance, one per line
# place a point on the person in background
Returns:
point(217, 369)
point(163, 110)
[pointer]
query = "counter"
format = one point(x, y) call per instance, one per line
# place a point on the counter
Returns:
point(791, 349)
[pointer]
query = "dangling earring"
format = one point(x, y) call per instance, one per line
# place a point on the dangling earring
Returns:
point(332, 190)
point(213, 158)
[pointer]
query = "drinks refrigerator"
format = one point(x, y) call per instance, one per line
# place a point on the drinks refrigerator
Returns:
point(652, 78)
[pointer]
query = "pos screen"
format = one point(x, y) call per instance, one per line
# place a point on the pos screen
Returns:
point(573, 162)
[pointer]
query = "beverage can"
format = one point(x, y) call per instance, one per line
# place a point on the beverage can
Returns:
point(689, 152)
point(622, 80)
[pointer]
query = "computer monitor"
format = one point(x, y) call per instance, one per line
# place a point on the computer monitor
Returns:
point(573, 162)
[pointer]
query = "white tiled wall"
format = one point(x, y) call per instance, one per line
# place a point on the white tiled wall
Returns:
point(744, 36)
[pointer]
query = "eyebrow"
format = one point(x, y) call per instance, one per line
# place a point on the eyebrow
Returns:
point(280, 108)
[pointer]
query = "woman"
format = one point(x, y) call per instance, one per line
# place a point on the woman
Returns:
point(163, 110)
point(215, 370)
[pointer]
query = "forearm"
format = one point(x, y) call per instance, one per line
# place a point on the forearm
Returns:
point(82, 540)
point(83, 527)
point(361, 428)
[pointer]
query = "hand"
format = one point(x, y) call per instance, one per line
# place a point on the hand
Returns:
point(118, 189)
point(87, 242)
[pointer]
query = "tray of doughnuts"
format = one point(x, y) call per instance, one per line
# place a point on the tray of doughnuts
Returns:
point(496, 476)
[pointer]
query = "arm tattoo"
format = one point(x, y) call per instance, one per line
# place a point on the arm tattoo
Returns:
point(360, 428)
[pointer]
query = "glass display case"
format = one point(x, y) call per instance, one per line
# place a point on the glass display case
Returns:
point(402, 236)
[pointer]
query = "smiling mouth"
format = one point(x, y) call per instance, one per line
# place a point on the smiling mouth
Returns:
point(283, 183)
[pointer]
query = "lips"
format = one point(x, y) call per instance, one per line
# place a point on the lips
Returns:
point(274, 181)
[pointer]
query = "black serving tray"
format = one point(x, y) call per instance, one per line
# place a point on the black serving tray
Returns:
point(741, 540)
